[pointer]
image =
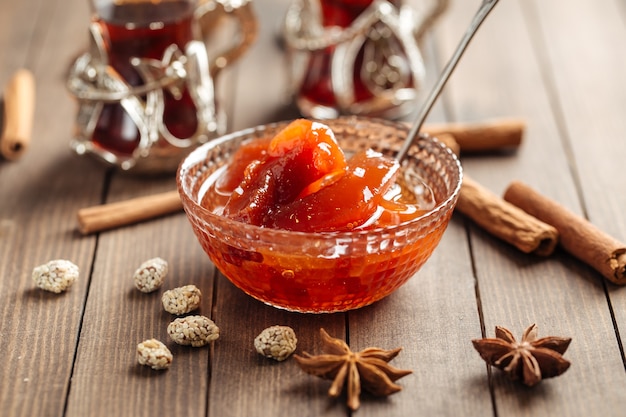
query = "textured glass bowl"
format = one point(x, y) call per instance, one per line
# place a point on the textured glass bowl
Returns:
point(323, 272)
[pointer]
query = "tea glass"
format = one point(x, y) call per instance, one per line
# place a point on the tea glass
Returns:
point(357, 57)
point(146, 86)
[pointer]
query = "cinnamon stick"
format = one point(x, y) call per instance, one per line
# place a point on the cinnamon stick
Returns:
point(505, 220)
point(19, 108)
point(578, 236)
point(112, 215)
point(489, 135)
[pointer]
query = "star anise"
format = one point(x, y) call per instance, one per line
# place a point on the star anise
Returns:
point(529, 360)
point(367, 369)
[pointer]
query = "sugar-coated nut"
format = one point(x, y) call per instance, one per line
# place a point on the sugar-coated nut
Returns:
point(276, 342)
point(182, 300)
point(193, 330)
point(154, 353)
point(150, 274)
point(55, 276)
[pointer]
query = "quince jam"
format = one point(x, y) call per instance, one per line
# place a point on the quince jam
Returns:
point(301, 180)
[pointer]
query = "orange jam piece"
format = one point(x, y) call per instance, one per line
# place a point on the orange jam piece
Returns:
point(297, 156)
point(347, 202)
point(236, 172)
point(301, 180)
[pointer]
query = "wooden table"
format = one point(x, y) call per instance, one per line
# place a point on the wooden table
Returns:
point(558, 64)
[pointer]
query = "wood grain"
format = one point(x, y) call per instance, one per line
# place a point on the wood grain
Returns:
point(558, 65)
point(516, 290)
point(433, 318)
point(117, 317)
point(590, 111)
point(38, 193)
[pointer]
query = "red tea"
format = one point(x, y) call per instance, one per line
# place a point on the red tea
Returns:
point(317, 86)
point(143, 30)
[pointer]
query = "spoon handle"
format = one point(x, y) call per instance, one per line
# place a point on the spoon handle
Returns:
point(479, 17)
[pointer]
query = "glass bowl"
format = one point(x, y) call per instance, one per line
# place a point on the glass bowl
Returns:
point(329, 271)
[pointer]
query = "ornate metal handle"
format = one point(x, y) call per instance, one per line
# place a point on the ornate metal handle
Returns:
point(209, 12)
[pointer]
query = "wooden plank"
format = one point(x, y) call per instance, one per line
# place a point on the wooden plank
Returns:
point(118, 317)
point(561, 296)
point(434, 318)
point(262, 88)
point(282, 388)
point(225, 369)
point(243, 382)
point(39, 200)
point(592, 113)
point(19, 23)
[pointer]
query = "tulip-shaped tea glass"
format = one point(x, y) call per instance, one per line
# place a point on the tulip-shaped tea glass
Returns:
point(146, 86)
point(359, 57)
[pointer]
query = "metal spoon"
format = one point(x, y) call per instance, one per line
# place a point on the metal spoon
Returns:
point(478, 19)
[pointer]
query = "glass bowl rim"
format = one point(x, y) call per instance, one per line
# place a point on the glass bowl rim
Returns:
point(197, 156)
